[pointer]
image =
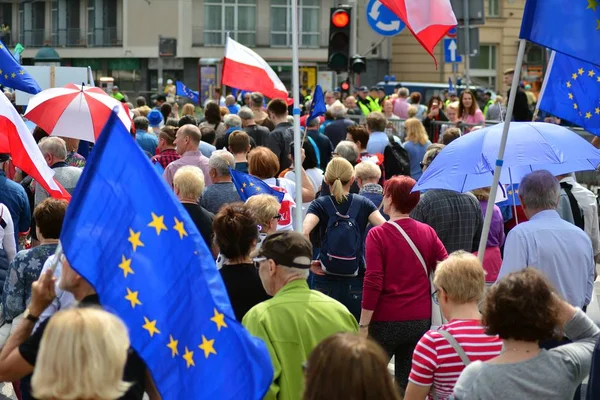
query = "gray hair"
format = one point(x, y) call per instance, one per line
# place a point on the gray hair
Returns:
point(232, 120)
point(220, 161)
point(338, 110)
point(432, 152)
point(246, 113)
point(291, 271)
point(141, 123)
point(347, 150)
point(55, 146)
point(313, 123)
point(403, 92)
point(539, 190)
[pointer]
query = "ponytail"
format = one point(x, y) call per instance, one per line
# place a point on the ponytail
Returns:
point(337, 190)
point(337, 175)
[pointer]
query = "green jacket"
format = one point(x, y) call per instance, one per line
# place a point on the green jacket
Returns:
point(487, 106)
point(291, 324)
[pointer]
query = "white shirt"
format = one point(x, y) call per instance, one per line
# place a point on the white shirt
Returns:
point(62, 300)
point(315, 175)
point(7, 234)
point(286, 223)
point(588, 205)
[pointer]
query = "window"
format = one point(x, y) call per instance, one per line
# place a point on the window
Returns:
point(484, 65)
point(65, 23)
point(309, 15)
point(102, 23)
point(236, 17)
point(6, 23)
point(33, 20)
point(493, 8)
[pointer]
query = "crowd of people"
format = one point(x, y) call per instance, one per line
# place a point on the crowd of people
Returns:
point(356, 288)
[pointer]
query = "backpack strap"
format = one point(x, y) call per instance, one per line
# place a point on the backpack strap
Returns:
point(456, 346)
point(317, 152)
point(412, 246)
point(354, 208)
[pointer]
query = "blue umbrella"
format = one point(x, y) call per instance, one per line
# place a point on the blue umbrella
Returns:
point(468, 162)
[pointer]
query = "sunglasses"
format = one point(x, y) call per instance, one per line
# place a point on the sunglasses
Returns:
point(423, 165)
point(278, 217)
point(435, 297)
point(258, 260)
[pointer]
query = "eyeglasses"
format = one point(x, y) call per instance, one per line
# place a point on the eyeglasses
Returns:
point(423, 165)
point(258, 260)
point(435, 297)
point(278, 216)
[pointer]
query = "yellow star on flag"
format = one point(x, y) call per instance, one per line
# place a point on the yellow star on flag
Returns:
point(1, 72)
point(134, 239)
point(189, 358)
point(126, 266)
point(1, 47)
point(133, 298)
point(22, 72)
point(173, 346)
point(575, 106)
point(158, 223)
point(150, 326)
point(244, 184)
point(598, 79)
point(257, 189)
point(5, 76)
point(13, 75)
point(588, 115)
point(580, 71)
point(207, 346)
point(597, 111)
point(179, 228)
point(598, 24)
point(219, 319)
point(574, 76)
point(591, 73)
point(251, 184)
point(592, 4)
point(571, 96)
point(568, 84)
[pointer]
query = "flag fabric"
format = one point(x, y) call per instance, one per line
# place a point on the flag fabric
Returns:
point(450, 86)
point(428, 20)
point(91, 77)
point(131, 239)
point(572, 92)
point(17, 140)
point(317, 106)
point(184, 91)
point(512, 196)
point(248, 185)
point(244, 69)
point(17, 52)
point(12, 75)
point(569, 27)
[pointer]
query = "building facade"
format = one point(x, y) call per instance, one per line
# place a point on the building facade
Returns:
point(119, 38)
point(497, 52)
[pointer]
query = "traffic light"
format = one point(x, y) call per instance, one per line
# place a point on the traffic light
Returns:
point(339, 39)
point(345, 86)
point(358, 64)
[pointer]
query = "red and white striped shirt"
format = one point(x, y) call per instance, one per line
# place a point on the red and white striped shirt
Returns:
point(436, 363)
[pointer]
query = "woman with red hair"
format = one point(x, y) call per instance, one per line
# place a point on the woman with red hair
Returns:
point(396, 304)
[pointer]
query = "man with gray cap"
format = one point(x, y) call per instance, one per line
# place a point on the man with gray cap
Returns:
point(258, 133)
point(296, 319)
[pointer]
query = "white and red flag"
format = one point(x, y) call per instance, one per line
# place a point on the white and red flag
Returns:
point(17, 140)
point(428, 20)
point(243, 69)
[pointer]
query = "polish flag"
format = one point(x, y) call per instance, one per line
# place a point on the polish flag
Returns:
point(245, 70)
point(428, 20)
point(17, 140)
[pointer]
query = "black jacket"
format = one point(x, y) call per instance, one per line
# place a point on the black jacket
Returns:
point(279, 141)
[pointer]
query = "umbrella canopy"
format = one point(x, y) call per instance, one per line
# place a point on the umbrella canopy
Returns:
point(74, 111)
point(468, 162)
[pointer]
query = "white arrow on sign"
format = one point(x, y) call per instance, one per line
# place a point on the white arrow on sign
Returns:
point(452, 48)
point(392, 26)
point(374, 13)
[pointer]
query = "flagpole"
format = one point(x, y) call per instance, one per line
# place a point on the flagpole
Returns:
point(297, 138)
point(500, 159)
point(543, 89)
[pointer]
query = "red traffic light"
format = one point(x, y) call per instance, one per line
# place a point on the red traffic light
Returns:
point(340, 18)
point(345, 86)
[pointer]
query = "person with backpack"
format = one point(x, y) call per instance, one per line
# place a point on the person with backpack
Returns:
point(401, 255)
point(342, 220)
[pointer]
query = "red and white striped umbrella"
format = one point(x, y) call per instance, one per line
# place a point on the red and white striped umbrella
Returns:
point(74, 111)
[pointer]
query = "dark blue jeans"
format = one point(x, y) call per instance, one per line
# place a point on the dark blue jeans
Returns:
point(346, 290)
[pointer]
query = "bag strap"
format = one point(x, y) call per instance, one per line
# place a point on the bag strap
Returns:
point(412, 246)
point(456, 346)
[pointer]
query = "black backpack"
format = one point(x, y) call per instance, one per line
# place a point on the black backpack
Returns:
point(396, 160)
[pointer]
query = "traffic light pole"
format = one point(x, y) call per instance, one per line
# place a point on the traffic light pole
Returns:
point(353, 41)
point(467, 46)
point(297, 137)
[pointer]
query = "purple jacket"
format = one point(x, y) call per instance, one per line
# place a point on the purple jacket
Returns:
point(496, 236)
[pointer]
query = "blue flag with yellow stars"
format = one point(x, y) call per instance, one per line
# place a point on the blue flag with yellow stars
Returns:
point(13, 76)
point(248, 185)
point(568, 26)
point(185, 91)
point(317, 107)
point(572, 92)
point(127, 234)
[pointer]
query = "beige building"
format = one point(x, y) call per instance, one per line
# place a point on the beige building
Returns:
point(119, 38)
point(497, 52)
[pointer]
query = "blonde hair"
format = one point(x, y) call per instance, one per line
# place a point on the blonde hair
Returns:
point(72, 144)
point(189, 181)
point(482, 194)
point(188, 109)
point(144, 110)
point(461, 276)
point(367, 170)
point(338, 174)
point(453, 105)
point(263, 207)
point(415, 131)
point(412, 111)
point(82, 356)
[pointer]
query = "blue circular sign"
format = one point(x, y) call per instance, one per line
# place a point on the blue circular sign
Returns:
point(382, 20)
point(451, 33)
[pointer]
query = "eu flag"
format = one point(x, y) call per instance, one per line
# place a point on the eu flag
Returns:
point(512, 196)
point(185, 91)
point(248, 185)
point(572, 92)
point(567, 26)
point(128, 236)
point(13, 76)
point(317, 107)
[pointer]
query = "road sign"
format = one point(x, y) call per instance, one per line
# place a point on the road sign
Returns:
point(382, 20)
point(476, 11)
point(473, 40)
point(451, 51)
point(451, 33)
